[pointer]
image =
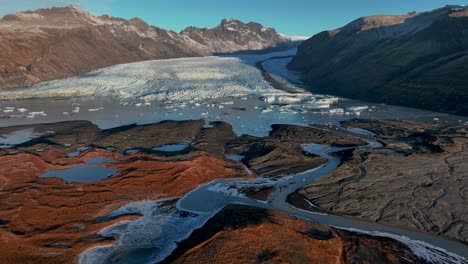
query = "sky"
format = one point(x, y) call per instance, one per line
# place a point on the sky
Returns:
point(290, 17)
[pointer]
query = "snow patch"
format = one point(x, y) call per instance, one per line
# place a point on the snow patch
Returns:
point(154, 235)
point(425, 251)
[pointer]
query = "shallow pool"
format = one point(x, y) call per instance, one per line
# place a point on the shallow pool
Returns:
point(235, 157)
point(99, 160)
point(81, 174)
point(172, 147)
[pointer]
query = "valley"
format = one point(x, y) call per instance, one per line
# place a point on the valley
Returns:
point(223, 144)
point(272, 159)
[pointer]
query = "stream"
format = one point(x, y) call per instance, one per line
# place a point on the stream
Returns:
point(208, 198)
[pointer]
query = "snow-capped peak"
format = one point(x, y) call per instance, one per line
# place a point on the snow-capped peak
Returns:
point(295, 38)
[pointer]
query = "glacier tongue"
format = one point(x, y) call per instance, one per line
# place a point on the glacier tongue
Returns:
point(172, 79)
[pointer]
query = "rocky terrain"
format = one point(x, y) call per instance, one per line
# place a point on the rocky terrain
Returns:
point(46, 220)
point(233, 35)
point(268, 156)
point(49, 220)
point(241, 234)
point(55, 43)
point(416, 60)
point(418, 180)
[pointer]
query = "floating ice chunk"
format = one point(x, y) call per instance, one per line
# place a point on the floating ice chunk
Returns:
point(336, 111)
point(289, 99)
point(268, 109)
point(95, 109)
point(142, 104)
point(357, 108)
point(36, 114)
point(22, 110)
point(268, 99)
point(318, 104)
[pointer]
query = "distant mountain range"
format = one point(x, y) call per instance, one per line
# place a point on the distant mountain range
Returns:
point(56, 43)
point(416, 59)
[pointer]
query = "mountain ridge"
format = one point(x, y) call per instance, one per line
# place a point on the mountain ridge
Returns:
point(56, 43)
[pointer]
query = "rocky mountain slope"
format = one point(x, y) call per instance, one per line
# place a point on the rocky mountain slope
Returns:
point(56, 43)
point(417, 60)
point(233, 35)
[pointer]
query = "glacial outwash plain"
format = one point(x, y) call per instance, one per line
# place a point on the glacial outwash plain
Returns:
point(122, 142)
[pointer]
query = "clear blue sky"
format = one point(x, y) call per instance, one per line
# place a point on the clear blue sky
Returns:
point(292, 17)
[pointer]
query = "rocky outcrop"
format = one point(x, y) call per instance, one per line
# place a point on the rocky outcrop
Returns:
point(281, 152)
point(242, 234)
point(416, 60)
point(55, 43)
point(233, 35)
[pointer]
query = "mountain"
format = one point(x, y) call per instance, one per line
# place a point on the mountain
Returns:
point(417, 60)
point(233, 35)
point(55, 43)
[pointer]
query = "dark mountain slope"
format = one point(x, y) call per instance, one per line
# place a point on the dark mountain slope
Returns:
point(417, 60)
